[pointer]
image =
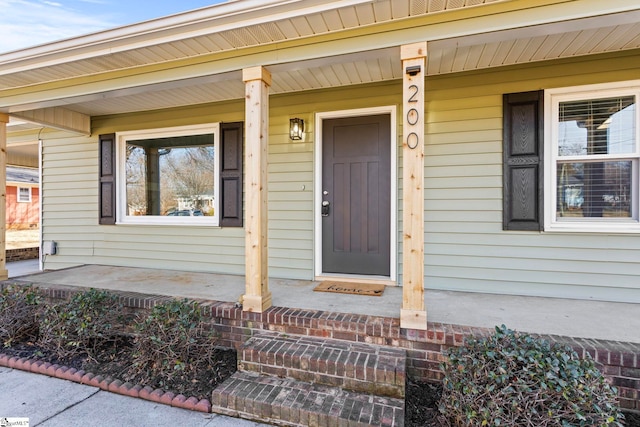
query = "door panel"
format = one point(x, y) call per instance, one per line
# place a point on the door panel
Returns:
point(356, 185)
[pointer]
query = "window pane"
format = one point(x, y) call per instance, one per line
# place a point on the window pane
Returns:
point(171, 176)
point(601, 126)
point(24, 194)
point(594, 189)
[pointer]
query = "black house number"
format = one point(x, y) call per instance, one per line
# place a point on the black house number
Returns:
point(412, 118)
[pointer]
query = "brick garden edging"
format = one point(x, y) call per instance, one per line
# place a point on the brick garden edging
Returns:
point(619, 361)
point(105, 383)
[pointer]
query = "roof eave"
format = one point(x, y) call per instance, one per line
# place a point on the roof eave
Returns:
point(210, 19)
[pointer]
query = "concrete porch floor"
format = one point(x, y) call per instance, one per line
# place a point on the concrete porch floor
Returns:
point(553, 316)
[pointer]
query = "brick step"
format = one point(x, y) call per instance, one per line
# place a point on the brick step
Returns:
point(288, 402)
point(352, 366)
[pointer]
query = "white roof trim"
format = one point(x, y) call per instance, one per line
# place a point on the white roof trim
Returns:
point(212, 19)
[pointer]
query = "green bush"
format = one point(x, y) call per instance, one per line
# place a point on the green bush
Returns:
point(513, 379)
point(86, 324)
point(171, 343)
point(20, 308)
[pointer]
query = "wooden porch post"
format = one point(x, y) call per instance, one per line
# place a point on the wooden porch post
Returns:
point(4, 119)
point(413, 314)
point(257, 81)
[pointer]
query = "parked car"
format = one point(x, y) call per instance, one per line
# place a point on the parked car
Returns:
point(186, 212)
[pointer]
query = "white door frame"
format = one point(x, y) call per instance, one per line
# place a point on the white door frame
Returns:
point(317, 199)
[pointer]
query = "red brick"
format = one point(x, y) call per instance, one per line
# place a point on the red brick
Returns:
point(104, 384)
point(167, 398)
point(13, 361)
point(86, 378)
point(178, 401)
point(630, 372)
point(145, 393)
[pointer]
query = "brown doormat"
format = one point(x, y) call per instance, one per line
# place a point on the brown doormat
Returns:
point(369, 289)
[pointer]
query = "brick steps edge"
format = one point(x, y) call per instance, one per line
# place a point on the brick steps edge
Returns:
point(288, 402)
point(105, 383)
point(359, 367)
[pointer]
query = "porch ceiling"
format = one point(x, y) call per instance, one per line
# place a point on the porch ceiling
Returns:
point(156, 43)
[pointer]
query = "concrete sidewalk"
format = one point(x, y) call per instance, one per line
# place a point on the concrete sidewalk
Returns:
point(52, 402)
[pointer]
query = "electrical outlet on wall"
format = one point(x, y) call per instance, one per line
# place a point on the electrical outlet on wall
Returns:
point(49, 248)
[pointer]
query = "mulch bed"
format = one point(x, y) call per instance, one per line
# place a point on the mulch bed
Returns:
point(421, 404)
point(115, 362)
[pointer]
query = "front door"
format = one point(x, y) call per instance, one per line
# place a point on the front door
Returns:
point(356, 195)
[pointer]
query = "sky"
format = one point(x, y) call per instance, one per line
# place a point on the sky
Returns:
point(26, 23)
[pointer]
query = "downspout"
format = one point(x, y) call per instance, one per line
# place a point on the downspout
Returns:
point(4, 120)
point(41, 259)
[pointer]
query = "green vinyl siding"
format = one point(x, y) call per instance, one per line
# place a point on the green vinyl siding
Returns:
point(466, 248)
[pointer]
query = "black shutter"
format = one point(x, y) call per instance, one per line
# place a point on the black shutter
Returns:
point(231, 174)
point(107, 179)
point(523, 161)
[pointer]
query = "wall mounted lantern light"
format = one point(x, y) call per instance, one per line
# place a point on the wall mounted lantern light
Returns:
point(296, 129)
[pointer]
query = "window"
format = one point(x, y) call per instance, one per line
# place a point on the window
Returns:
point(591, 176)
point(169, 176)
point(24, 194)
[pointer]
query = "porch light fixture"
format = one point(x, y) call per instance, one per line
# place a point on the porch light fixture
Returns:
point(296, 129)
point(413, 70)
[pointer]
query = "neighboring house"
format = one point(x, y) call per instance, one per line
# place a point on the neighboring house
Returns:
point(23, 197)
point(201, 201)
point(436, 142)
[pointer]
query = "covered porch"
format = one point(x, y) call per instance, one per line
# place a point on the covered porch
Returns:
point(146, 67)
point(598, 320)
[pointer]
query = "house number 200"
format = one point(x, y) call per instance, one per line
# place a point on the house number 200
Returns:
point(412, 118)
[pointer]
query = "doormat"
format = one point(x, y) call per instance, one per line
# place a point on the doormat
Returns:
point(368, 289)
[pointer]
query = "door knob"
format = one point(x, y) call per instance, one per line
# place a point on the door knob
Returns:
point(325, 208)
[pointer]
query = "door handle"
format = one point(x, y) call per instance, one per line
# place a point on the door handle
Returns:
point(325, 208)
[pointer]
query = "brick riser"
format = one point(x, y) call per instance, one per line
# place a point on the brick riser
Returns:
point(351, 366)
point(288, 402)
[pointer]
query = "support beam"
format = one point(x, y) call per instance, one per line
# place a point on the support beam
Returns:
point(257, 81)
point(58, 118)
point(413, 314)
point(4, 119)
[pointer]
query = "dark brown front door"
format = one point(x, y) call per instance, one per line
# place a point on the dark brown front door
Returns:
point(356, 195)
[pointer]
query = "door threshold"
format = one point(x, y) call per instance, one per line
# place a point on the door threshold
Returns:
point(377, 280)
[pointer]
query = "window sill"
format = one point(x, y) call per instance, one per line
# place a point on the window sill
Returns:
point(171, 222)
point(631, 227)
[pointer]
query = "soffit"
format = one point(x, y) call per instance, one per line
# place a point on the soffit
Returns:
point(214, 36)
point(567, 39)
point(480, 51)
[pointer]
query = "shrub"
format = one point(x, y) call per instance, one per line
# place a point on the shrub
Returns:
point(20, 308)
point(513, 379)
point(172, 343)
point(86, 324)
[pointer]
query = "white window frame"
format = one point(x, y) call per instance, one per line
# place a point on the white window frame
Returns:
point(553, 98)
point(18, 198)
point(123, 137)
